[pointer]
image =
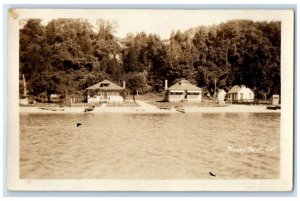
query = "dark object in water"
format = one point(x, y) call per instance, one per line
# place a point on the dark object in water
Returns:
point(88, 109)
point(273, 107)
point(165, 107)
point(79, 124)
point(211, 174)
point(182, 110)
point(58, 109)
point(52, 108)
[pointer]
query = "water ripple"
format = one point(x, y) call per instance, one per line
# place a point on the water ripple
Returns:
point(148, 146)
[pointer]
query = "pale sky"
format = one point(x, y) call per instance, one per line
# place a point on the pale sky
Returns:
point(160, 22)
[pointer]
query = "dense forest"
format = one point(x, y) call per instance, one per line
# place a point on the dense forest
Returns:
point(68, 55)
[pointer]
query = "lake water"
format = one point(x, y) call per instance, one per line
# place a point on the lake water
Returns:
point(150, 146)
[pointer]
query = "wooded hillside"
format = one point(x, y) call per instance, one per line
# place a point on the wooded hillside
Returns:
point(67, 55)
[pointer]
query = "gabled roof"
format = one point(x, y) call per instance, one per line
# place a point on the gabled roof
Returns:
point(221, 91)
point(237, 89)
point(184, 85)
point(106, 85)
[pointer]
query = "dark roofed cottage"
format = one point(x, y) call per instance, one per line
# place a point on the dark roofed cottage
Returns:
point(183, 91)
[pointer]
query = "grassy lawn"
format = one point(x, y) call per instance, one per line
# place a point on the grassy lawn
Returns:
point(185, 104)
point(147, 97)
point(156, 99)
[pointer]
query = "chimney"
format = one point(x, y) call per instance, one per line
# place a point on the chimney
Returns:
point(124, 84)
point(166, 84)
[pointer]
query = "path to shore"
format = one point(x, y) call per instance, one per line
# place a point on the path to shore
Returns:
point(147, 106)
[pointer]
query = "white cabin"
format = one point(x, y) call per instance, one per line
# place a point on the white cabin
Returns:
point(240, 94)
point(221, 96)
point(183, 91)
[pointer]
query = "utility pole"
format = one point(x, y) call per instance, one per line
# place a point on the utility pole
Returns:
point(24, 83)
point(215, 94)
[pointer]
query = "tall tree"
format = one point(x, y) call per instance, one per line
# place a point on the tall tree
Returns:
point(135, 82)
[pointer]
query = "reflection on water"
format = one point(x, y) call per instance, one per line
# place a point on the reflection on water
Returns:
point(149, 146)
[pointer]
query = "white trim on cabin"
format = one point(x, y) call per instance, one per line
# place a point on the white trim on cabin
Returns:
point(108, 97)
point(180, 95)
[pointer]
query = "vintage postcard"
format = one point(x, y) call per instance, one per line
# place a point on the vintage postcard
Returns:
point(150, 100)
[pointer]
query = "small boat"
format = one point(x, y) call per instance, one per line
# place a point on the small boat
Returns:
point(164, 107)
point(180, 109)
point(273, 107)
point(89, 109)
point(52, 108)
point(58, 109)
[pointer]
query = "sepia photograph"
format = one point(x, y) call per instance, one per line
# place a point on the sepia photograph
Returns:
point(141, 99)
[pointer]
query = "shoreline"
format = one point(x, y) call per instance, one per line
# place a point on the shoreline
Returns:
point(147, 108)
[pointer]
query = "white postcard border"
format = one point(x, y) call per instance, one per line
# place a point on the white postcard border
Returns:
point(286, 161)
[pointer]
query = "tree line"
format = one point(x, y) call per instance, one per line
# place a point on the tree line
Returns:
point(68, 55)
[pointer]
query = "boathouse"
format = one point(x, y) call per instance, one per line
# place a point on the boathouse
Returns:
point(182, 91)
point(239, 94)
point(105, 91)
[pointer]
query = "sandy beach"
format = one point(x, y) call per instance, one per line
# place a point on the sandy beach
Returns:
point(148, 108)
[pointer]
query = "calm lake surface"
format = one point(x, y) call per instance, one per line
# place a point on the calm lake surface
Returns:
point(150, 146)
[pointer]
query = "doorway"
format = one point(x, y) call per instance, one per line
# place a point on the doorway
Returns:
point(105, 95)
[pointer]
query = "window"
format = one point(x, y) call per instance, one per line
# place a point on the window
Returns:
point(104, 84)
point(176, 93)
point(193, 93)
